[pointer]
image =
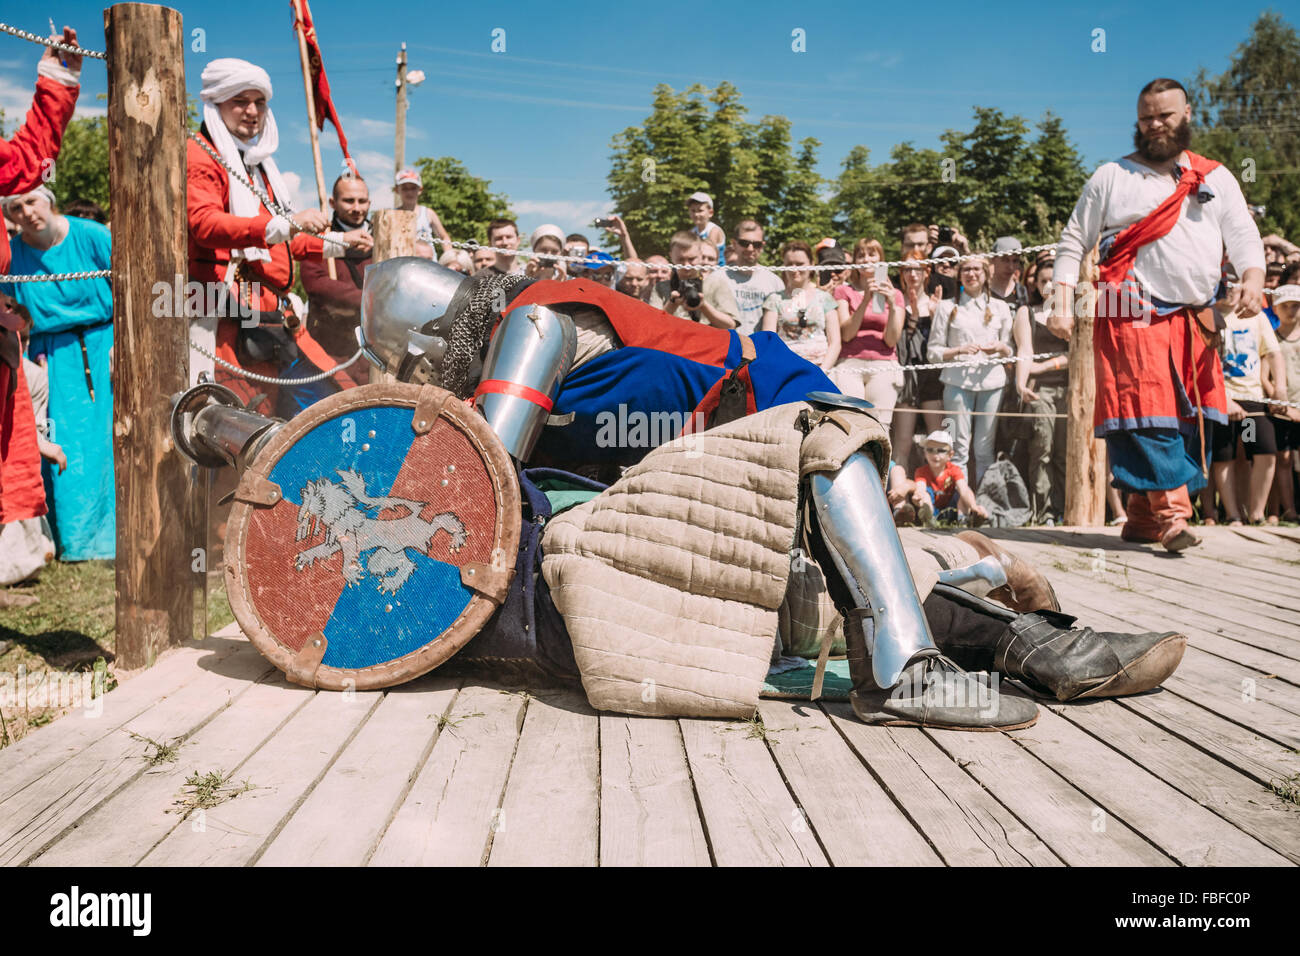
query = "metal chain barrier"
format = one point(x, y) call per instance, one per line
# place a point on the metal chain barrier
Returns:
point(1002, 360)
point(46, 41)
point(58, 276)
point(471, 245)
point(240, 178)
point(271, 379)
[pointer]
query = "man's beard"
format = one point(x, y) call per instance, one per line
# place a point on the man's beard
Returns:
point(340, 225)
point(1158, 149)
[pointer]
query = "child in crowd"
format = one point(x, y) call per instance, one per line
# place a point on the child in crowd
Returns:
point(1252, 374)
point(1286, 305)
point(700, 207)
point(806, 317)
point(941, 492)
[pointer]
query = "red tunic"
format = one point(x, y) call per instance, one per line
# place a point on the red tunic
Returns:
point(213, 232)
point(1152, 371)
point(22, 161)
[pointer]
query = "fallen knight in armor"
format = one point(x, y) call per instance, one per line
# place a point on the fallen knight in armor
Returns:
point(670, 583)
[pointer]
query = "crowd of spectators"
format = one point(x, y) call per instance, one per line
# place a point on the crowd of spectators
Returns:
point(875, 330)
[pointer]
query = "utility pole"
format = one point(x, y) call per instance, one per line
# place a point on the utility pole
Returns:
point(399, 145)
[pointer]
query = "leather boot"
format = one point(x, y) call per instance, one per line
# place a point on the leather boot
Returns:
point(1026, 588)
point(1141, 525)
point(1046, 652)
point(932, 692)
point(1171, 509)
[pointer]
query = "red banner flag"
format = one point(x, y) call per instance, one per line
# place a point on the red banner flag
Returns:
point(320, 85)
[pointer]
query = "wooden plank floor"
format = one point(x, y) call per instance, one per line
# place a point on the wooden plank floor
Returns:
point(445, 771)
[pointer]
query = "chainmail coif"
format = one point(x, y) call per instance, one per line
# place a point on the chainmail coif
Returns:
point(474, 309)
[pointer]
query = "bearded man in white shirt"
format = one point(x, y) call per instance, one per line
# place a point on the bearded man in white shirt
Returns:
point(1164, 216)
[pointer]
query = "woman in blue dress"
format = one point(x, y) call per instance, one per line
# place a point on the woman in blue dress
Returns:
point(72, 333)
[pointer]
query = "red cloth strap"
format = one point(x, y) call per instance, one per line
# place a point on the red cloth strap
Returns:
point(1156, 223)
point(502, 387)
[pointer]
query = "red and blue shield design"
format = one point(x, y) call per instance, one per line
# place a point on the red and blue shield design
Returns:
point(373, 536)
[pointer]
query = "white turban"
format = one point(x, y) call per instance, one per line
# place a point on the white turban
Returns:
point(7, 201)
point(223, 80)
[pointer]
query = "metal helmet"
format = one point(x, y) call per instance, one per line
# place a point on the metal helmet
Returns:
point(404, 311)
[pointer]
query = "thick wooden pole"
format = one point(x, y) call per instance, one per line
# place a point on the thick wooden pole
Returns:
point(399, 134)
point(146, 165)
point(394, 232)
point(1085, 459)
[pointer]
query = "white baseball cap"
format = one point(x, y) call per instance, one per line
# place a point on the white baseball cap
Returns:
point(408, 176)
point(700, 197)
point(1285, 293)
point(939, 437)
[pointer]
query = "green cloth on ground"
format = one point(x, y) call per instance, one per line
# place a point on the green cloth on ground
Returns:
point(563, 495)
point(797, 684)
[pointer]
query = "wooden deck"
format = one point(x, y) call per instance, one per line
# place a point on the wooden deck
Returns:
point(451, 772)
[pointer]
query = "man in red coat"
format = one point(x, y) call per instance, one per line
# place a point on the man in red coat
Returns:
point(25, 162)
point(240, 241)
point(1164, 217)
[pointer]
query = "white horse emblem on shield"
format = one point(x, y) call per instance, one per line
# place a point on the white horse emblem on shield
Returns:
point(340, 507)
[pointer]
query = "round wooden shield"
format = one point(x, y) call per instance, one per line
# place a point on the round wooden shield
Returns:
point(372, 537)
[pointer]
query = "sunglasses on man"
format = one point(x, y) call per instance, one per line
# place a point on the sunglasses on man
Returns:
point(750, 243)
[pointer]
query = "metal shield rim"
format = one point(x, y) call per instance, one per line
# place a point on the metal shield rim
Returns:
point(506, 532)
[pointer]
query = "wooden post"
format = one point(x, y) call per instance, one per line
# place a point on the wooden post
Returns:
point(399, 134)
point(1085, 458)
point(394, 232)
point(146, 165)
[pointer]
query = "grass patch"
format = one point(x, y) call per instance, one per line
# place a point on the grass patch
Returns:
point(755, 729)
point(71, 628)
point(162, 753)
point(71, 624)
point(446, 720)
point(1288, 788)
point(203, 791)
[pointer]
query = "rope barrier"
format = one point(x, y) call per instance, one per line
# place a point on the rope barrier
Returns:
point(271, 379)
point(46, 41)
point(58, 276)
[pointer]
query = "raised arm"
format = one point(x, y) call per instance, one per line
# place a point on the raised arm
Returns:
point(25, 160)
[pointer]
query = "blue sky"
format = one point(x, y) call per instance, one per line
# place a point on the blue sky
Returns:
point(537, 119)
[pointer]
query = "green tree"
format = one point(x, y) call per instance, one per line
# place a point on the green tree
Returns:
point(994, 176)
point(656, 165)
point(804, 214)
point(700, 140)
point(465, 203)
point(1058, 178)
point(81, 169)
point(1246, 119)
point(856, 201)
point(876, 202)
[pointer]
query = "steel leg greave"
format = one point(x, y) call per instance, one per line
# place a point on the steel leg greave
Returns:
point(857, 527)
